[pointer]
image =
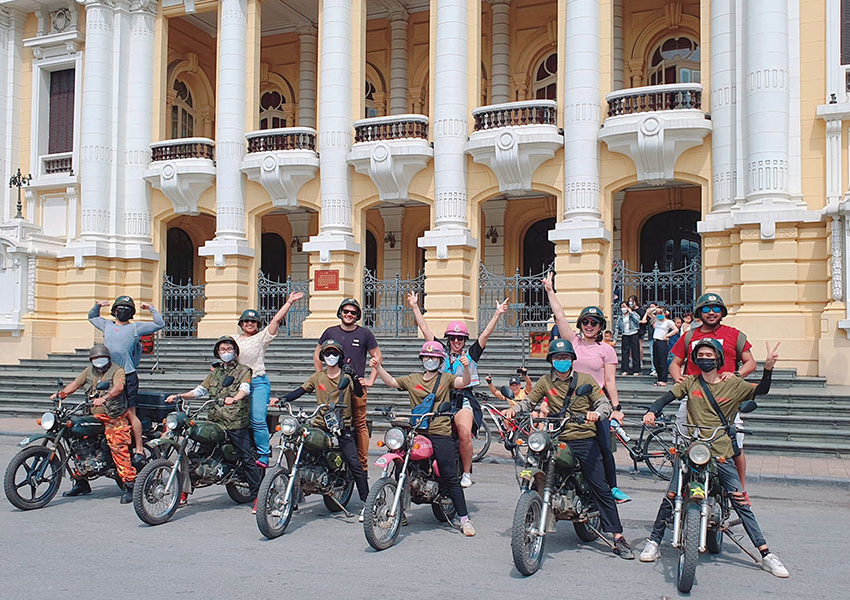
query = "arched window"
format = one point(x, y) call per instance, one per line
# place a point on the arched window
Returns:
point(545, 85)
point(273, 257)
point(371, 103)
point(675, 60)
point(537, 251)
point(182, 112)
point(179, 256)
point(670, 240)
point(272, 115)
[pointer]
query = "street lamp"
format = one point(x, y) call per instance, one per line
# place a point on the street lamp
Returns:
point(19, 181)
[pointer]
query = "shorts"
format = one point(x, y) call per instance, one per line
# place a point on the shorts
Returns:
point(131, 388)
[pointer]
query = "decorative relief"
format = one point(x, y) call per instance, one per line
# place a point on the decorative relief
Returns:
point(137, 224)
point(725, 184)
point(96, 153)
point(787, 233)
point(582, 111)
point(450, 127)
point(767, 175)
point(31, 283)
point(581, 195)
point(94, 220)
point(98, 17)
point(750, 234)
point(714, 241)
point(229, 149)
point(231, 218)
point(336, 212)
point(450, 206)
point(766, 79)
point(722, 96)
point(837, 260)
point(139, 158)
point(62, 19)
point(234, 11)
point(335, 139)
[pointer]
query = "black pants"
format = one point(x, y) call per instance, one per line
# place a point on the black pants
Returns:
point(603, 437)
point(243, 440)
point(630, 350)
point(659, 359)
point(446, 453)
point(349, 451)
point(588, 453)
point(131, 388)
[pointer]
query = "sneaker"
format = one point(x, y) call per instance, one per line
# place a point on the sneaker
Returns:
point(652, 373)
point(650, 552)
point(81, 487)
point(403, 519)
point(774, 566)
point(619, 496)
point(127, 496)
point(362, 514)
point(184, 499)
point(623, 374)
point(262, 462)
point(466, 480)
point(468, 530)
point(622, 549)
point(254, 508)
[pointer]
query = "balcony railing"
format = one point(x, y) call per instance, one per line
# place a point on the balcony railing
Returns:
point(53, 164)
point(286, 138)
point(510, 114)
point(183, 148)
point(395, 127)
point(674, 96)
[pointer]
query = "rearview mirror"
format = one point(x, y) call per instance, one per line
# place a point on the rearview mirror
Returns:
point(228, 381)
point(507, 392)
point(584, 390)
point(103, 385)
point(748, 406)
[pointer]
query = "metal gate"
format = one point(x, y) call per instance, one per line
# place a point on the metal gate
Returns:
point(528, 304)
point(182, 307)
point(677, 290)
point(272, 295)
point(385, 307)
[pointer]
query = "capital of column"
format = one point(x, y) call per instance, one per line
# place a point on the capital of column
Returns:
point(145, 6)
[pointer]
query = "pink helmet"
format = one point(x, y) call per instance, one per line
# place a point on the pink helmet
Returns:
point(433, 349)
point(456, 328)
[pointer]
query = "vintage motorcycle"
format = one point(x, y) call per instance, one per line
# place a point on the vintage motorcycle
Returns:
point(194, 453)
point(73, 440)
point(410, 474)
point(314, 465)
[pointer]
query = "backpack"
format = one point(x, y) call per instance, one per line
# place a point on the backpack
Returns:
point(739, 348)
point(425, 407)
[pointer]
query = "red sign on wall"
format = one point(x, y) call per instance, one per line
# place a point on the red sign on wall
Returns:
point(326, 281)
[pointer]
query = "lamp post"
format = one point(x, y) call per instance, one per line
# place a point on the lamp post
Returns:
point(19, 181)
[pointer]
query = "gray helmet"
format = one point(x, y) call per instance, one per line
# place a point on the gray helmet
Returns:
point(99, 350)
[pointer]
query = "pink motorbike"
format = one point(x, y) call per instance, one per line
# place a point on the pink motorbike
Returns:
point(410, 474)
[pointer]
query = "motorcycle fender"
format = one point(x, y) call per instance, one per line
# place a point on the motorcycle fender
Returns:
point(535, 477)
point(164, 443)
point(695, 491)
point(385, 460)
point(32, 438)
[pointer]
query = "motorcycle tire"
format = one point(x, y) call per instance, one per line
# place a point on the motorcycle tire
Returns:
point(481, 442)
point(714, 539)
point(689, 549)
point(149, 492)
point(272, 515)
point(656, 452)
point(33, 459)
point(519, 442)
point(238, 492)
point(444, 510)
point(380, 529)
point(342, 493)
point(527, 549)
point(585, 533)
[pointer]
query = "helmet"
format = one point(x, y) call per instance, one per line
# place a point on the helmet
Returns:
point(515, 380)
point(249, 315)
point(123, 301)
point(332, 344)
point(456, 328)
point(221, 340)
point(709, 299)
point(714, 345)
point(99, 350)
point(433, 349)
point(349, 302)
point(560, 346)
point(595, 312)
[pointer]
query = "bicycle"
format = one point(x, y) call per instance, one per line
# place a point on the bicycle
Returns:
point(652, 447)
point(510, 430)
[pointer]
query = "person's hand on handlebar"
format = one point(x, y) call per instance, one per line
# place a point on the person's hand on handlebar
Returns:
point(591, 416)
point(649, 419)
point(509, 413)
point(544, 409)
point(229, 400)
point(172, 398)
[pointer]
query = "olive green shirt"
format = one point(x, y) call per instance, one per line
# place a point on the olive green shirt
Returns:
point(90, 377)
point(418, 389)
point(238, 414)
point(327, 392)
point(555, 390)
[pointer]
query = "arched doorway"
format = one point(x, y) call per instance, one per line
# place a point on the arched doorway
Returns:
point(670, 240)
point(179, 256)
point(273, 257)
point(537, 251)
point(371, 252)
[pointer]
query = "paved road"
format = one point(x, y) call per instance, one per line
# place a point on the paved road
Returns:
point(213, 548)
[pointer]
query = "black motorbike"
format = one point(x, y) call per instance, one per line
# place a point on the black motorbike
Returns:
point(73, 440)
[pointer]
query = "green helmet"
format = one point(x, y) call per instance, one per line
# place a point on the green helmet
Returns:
point(709, 299)
point(221, 340)
point(250, 315)
point(560, 346)
point(328, 344)
point(123, 301)
point(349, 302)
point(595, 312)
point(714, 345)
point(99, 351)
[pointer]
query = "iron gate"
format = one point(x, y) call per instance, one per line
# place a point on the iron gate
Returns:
point(528, 303)
point(182, 307)
point(272, 295)
point(677, 290)
point(385, 307)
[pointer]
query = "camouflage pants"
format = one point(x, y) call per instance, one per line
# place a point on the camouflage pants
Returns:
point(118, 439)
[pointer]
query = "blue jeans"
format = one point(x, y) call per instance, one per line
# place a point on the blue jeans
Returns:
point(261, 390)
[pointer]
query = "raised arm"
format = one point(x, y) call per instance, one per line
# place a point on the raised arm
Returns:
point(94, 314)
point(565, 330)
point(382, 373)
point(317, 362)
point(421, 323)
point(157, 324)
point(496, 393)
point(277, 319)
point(501, 308)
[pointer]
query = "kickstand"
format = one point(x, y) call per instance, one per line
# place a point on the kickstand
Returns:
point(728, 533)
point(601, 535)
point(341, 507)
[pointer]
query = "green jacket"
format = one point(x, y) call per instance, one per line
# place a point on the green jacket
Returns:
point(238, 414)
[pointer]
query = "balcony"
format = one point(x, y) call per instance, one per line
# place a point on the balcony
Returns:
point(182, 169)
point(654, 125)
point(59, 164)
point(514, 139)
point(281, 160)
point(391, 151)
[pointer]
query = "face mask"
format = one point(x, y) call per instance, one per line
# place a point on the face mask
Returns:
point(562, 366)
point(331, 359)
point(100, 363)
point(122, 313)
point(227, 356)
point(659, 317)
point(624, 310)
point(632, 304)
point(705, 364)
point(431, 364)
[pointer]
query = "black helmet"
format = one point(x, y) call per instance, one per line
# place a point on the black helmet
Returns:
point(221, 340)
point(328, 344)
point(123, 301)
point(249, 315)
point(98, 351)
point(560, 346)
point(714, 345)
point(709, 299)
point(595, 312)
point(349, 302)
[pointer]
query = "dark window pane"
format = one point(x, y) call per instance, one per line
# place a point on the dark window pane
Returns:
point(61, 113)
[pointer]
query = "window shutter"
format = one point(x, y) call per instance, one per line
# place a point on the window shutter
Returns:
point(61, 115)
point(845, 32)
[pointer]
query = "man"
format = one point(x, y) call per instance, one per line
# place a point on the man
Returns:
point(122, 339)
point(110, 408)
point(356, 343)
point(515, 384)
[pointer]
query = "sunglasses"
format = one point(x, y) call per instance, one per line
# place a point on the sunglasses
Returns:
point(455, 338)
point(585, 322)
point(331, 353)
point(348, 311)
point(714, 309)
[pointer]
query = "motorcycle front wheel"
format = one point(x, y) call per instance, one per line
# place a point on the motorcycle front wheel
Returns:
point(273, 513)
point(689, 549)
point(33, 477)
point(341, 492)
point(526, 546)
point(380, 528)
point(154, 501)
point(481, 442)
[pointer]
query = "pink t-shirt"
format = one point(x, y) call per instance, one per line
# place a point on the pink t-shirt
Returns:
point(592, 358)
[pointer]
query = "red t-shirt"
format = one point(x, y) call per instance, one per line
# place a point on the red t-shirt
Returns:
point(728, 336)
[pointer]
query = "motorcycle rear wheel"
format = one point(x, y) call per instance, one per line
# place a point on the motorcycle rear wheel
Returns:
point(153, 502)
point(42, 487)
point(342, 492)
point(585, 533)
point(689, 549)
point(381, 530)
point(481, 442)
point(444, 510)
point(272, 514)
point(238, 492)
point(527, 548)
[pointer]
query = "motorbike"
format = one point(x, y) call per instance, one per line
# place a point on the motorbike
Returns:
point(410, 474)
point(194, 453)
point(73, 440)
point(314, 465)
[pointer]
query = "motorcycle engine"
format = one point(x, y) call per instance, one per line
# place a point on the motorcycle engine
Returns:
point(422, 489)
point(564, 505)
point(209, 470)
point(89, 457)
point(314, 479)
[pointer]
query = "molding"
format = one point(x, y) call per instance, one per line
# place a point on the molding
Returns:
point(327, 242)
point(282, 173)
point(442, 238)
point(182, 181)
point(221, 247)
point(576, 231)
point(391, 164)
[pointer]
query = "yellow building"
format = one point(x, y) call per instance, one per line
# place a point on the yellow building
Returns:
point(648, 146)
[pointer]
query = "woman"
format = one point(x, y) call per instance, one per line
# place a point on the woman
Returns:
point(628, 328)
point(687, 323)
point(600, 362)
point(252, 345)
point(662, 330)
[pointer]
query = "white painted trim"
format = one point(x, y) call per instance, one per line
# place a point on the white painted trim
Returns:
point(834, 70)
point(795, 151)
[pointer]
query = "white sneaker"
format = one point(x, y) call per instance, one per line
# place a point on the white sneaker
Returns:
point(362, 514)
point(774, 566)
point(467, 528)
point(466, 480)
point(650, 552)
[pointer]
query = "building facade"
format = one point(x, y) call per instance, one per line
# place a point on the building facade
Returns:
point(214, 148)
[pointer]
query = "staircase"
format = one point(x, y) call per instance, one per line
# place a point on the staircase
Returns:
point(801, 415)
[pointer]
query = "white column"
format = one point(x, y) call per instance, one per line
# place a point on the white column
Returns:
point(500, 87)
point(307, 68)
point(494, 254)
point(393, 217)
point(833, 161)
point(617, 56)
point(723, 105)
point(398, 63)
point(11, 28)
point(299, 222)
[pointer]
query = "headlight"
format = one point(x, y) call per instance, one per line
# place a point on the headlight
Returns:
point(394, 438)
point(48, 420)
point(537, 441)
point(171, 421)
point(288, 425)
point(699, 454)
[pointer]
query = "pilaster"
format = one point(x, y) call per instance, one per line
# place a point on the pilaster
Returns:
point(501, 54)
point(324, 304)
point(581, 279)
point(398, 62)
point(229, 289)
point(308, 62)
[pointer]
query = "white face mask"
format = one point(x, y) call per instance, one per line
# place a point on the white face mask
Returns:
point(624, 310)
point(431, 364)
point(227, 356)
point(100, 363)
point(331, 359)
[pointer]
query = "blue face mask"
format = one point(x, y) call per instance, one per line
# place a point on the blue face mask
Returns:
point(562, 366)
point(659, 317)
